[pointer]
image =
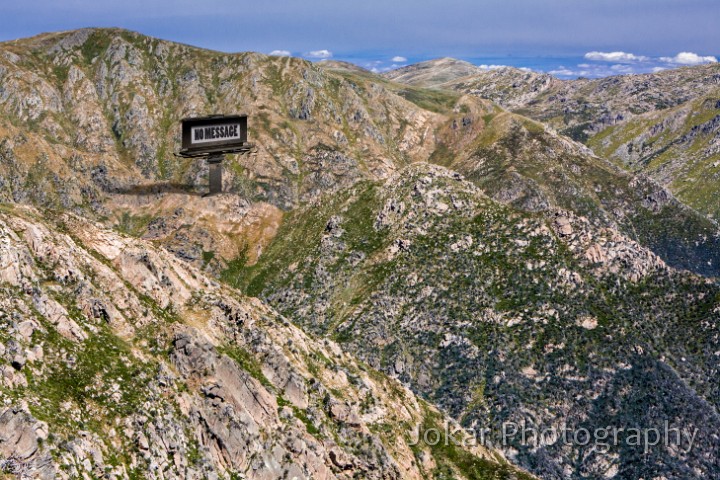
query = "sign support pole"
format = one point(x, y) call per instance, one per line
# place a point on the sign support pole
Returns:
point(212, 138)
point(215, 173)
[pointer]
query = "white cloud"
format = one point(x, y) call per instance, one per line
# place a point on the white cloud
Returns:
point(320, 54)
point(495, 67)
point(688, 58)
point(601, 70)
point(620, 68)
point(616, 57)
point(280, 53)
point(399, 59)
point(562, 71)
point(380, 66)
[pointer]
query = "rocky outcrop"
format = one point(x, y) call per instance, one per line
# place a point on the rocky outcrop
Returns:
point(611, 253)
point(118, 358)
point(20, 437)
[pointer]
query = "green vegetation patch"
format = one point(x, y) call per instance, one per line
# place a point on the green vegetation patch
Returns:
point(96, 44)
point(454, 462)
point(438, 101)
point(133, 225)
point(100, 376)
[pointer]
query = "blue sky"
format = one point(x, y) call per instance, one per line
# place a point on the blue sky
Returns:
point(566, 37)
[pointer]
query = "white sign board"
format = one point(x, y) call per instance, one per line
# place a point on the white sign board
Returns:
point(215, 133)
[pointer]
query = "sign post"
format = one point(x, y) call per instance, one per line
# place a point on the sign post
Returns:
point(211, 138)
point(215, 173)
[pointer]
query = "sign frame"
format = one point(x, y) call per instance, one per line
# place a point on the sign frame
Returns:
point(228, 132)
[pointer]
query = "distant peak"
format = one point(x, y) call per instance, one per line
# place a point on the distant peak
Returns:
point(340, 65)
point(433, 72)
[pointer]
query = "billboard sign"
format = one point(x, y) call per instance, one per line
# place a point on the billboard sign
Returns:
point(217, 134)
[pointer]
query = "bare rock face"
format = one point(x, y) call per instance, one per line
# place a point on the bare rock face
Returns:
point(610, 252)
point(116, 357)
point(328, 170)
point(20, 435)
point(563, 226)
point(82, 100)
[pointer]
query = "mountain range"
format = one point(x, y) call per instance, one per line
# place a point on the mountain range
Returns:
point(439, 244)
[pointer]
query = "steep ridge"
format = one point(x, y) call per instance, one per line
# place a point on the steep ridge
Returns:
point(581, 108)
point(113, 98)
point(102, 106)
point(507, 86)
point(120, 361)
point(578, 108)
point(658, 124)
point(679, 147)
point(503, 316)
point(521, 162)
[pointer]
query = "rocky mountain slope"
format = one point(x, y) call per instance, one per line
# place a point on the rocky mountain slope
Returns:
point(523, 163)
point(120, 361)
point(679, 147)
point(499, 315)
point(507, 86)
point(101, 107)
point(658, 124)
point(579, 108)
point(114, 98)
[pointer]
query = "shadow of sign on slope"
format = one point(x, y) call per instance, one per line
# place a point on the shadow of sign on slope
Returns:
point(156, 189)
